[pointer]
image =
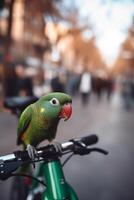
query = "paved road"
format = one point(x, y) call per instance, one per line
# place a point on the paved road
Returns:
point(95, 177)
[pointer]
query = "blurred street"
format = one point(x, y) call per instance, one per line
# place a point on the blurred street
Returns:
point(64, 46)
point(94, 176)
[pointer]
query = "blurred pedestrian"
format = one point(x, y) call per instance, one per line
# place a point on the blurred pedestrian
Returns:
point(97, 85)
point(23, 84)
point(85, 87)
point(72, 84)
point(1, 85)
point(127, 89)
point(109, 88)
point(9, 81)
point(57, 84)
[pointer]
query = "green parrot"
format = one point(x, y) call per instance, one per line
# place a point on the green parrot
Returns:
point(39, 120)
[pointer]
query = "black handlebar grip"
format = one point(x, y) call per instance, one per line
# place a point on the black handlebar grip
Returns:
point(90, 139)
point(22, 154)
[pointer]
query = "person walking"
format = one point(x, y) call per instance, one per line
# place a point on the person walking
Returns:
point(23, 84)
point(85, 87)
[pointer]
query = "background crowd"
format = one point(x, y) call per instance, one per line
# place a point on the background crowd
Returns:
point(22, 81)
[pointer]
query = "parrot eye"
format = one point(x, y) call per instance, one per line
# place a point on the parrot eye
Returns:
point(54, 102)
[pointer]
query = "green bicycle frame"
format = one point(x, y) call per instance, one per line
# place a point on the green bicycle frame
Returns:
point(57, 187)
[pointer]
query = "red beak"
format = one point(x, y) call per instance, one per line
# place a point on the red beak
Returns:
point(66, 111)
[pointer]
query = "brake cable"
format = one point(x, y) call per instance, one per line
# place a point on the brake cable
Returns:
point(29, 176)
point(67, 159)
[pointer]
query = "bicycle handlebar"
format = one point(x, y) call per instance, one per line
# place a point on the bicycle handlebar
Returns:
point(79, 146)
point(87, 140)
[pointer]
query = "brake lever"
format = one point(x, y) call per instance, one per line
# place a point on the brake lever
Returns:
point(11, 163)
point(99, 150)
point(6, 168)
point(81, 149)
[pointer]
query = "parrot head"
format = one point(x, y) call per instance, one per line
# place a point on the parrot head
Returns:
point(55, 106)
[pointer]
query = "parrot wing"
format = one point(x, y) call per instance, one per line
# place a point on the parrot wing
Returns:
point(24, 122)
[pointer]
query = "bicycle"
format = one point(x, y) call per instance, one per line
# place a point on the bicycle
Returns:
point(57, 188)
point(16, 105)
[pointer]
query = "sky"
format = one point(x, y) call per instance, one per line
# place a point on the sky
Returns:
point(110, 20)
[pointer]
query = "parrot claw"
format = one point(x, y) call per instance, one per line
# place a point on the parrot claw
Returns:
point(57, 146)
point(32, 153)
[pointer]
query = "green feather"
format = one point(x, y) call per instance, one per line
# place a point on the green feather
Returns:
point(24, 122)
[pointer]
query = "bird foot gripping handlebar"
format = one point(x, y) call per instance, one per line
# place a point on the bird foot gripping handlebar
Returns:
point(80, 146)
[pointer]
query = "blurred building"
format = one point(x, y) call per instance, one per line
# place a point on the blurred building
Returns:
point(125, 59)
point(33, 29)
